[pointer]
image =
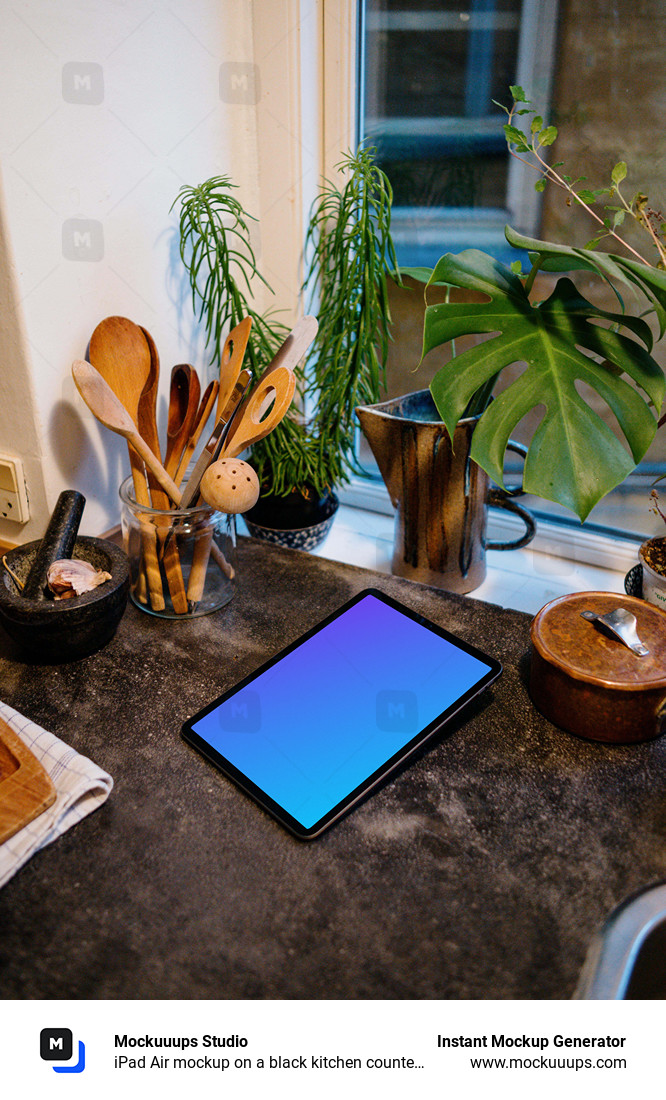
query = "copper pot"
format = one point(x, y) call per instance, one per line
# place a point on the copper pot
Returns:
point(589, 683)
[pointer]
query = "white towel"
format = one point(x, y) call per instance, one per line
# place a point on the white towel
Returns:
point(80, 788)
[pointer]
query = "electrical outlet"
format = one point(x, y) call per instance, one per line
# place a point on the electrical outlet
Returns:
point(13, 494)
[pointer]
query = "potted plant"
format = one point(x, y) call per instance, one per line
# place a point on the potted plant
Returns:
point(573, 458)
point(215, 248)
point(349, 254)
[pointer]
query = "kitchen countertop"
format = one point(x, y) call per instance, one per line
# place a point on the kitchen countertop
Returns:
point(481, 871)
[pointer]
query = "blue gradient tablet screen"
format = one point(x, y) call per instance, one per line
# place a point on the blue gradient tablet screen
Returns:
point(314, 726)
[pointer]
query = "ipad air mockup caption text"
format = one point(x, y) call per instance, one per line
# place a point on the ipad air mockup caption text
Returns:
point(148, 1052)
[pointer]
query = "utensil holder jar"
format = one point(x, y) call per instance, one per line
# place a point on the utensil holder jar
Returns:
point(182, 561)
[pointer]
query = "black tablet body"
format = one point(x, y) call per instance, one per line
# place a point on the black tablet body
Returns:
point(316, 728)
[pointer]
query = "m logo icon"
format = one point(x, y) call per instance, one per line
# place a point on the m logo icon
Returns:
point(56, 1045)
point(397, 711)
point(82, 239)
point(242, 713)
point(239, 82)
point(83, 82)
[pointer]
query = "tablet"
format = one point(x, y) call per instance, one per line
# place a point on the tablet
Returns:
point(313, 731)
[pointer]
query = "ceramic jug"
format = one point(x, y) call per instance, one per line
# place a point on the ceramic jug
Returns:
point(440, 495)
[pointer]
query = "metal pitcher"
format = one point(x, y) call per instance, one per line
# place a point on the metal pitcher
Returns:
point(440, 495)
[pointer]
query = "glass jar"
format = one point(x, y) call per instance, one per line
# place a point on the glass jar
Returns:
point(182, 561)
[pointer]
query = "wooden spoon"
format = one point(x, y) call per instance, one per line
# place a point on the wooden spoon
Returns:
point(122, 355)
point(184, 397)
point(103, 402)
point(120, 352)
point(147, 425)
point(147, 418)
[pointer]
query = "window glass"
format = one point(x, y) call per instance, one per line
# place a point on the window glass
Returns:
point(430, 73)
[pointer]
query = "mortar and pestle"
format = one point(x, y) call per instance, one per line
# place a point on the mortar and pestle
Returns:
point(53, 630)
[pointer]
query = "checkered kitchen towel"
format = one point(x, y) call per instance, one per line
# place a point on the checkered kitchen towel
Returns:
point(80, 788)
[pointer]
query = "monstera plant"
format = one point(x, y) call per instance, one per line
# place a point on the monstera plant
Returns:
point(574, 457)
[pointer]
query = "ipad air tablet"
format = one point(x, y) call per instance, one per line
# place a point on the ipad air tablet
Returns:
point(311, 732)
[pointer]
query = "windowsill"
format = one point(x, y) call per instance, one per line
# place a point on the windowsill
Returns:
point(521, 579)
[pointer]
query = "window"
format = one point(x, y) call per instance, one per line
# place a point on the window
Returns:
point(430, 70)
point(431, 73)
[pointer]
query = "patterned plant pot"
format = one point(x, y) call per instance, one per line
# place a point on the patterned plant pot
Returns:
point(285, 527)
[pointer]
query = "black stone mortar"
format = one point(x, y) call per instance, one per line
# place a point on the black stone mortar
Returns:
point(52, 630)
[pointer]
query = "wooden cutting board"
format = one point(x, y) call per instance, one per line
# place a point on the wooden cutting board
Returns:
point(26, 789)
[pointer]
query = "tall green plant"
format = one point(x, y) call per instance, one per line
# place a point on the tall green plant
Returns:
point(220, 262)
point(349, 253)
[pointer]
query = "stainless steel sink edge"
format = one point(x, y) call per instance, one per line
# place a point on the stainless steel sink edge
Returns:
point(611, 958)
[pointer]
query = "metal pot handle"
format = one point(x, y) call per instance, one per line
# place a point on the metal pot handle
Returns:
point(504, 498)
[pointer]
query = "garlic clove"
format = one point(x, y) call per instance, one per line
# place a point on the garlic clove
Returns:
point(69, 577)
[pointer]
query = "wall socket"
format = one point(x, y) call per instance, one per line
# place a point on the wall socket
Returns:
point(13, 494)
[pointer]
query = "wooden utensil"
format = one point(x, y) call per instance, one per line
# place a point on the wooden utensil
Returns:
point(103, 403)
point(230, 485)
point(121, 353)
point(147, 425)
point(254, 422)
point(214, 445)
point(290, 353)
point(147, 413)
point(184, 395)
point(231, 362)
point(203, 413)
point(251, 422)
point(26, 789)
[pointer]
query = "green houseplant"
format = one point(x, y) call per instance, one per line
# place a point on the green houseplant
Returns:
point(573, 458)
point(215, 248)
point(349, 254)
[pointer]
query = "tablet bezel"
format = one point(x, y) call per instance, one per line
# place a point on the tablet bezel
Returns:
point(382, 773)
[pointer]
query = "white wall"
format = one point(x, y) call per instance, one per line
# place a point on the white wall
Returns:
point(106, 108)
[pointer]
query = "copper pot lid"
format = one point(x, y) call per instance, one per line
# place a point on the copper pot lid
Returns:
point(580, 648)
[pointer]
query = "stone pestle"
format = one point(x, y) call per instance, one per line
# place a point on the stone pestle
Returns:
point(58, 541)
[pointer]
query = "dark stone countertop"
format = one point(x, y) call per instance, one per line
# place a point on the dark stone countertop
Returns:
point(481, 871)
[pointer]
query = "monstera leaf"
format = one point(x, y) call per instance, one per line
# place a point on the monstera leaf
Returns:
point(615, 269)
point(574, 458)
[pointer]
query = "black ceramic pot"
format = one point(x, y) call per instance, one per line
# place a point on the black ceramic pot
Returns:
point(52, 631)
point(297, 521)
